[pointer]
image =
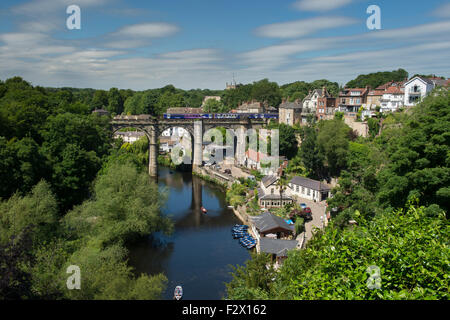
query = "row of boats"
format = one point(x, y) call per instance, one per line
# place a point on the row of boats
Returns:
point(245, 239)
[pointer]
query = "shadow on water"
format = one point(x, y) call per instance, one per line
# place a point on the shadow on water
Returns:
point(198, 254)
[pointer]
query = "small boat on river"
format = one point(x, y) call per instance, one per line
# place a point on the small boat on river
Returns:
point(203, 210)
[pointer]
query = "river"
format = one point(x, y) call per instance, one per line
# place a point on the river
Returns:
point(199, 253)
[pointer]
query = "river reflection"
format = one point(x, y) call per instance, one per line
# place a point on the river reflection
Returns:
point(197, 256)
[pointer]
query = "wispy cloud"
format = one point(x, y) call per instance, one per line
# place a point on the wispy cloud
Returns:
point(147, 30)
point(320, 5)
point(299, 28)
point(139, 35)
point(300, 51)
point(344, 57)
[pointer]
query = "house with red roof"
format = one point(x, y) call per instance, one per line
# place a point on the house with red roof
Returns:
point(351, 99)
point(392, 99)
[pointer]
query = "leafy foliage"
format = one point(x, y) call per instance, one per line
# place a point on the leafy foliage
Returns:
point(49, 135)
point(300, 89)
point(409, 248)
point(374, 80)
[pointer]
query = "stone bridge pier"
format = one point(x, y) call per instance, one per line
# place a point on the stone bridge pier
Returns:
point(198, 145)
point(152, 151)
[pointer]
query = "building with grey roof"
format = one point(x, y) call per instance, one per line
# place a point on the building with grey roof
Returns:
point(290, 112)
point(269, 193)
point(276, 247)
point(268, 223)
point(309, 189)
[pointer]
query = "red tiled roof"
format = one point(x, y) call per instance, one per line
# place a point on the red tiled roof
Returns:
point(347, 91)
point(393, 90)
point(376, 92)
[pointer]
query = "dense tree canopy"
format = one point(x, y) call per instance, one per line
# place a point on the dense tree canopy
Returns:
point(53, 214)
point(374, 80)
point(214, 106)
point(300, 89)
point(400, 255)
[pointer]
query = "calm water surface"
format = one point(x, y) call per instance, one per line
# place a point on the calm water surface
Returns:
point(198, 254)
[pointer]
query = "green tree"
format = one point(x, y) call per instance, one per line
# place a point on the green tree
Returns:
point(100, 99)
point(333, 141)
point(288, 141)
point(38, 210)
point(267, 92)
point(253, 281)
point(214, 106)
point(407, 247)
point(374, 80)
point(310, 153)
point(115, 102)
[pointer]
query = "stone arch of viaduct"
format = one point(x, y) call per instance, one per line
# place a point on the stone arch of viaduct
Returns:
point(153, 128)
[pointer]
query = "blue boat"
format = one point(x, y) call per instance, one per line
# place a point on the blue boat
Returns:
point(239, 228)
point(237, 235)
point(247, 242)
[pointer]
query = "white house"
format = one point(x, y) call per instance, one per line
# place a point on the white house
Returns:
point(416, 89)
point(269, 193)
point(310, 101)
point(393, 99)
point(129, 136)
point(309, 189)
point(166, 144)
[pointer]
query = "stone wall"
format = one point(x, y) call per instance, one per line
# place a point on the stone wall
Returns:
point(360, 127)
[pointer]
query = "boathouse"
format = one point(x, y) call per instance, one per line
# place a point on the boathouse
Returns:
point(269, 225)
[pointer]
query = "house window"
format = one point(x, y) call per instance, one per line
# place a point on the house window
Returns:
point(303, 190)
point(296, 188)
point(271, 191)
point(309, 192)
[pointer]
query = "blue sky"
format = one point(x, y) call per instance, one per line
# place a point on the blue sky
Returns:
point(200, 44)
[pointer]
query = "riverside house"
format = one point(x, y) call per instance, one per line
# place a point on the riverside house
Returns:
point(309, 189)
point(271, 226)
point(269, 193)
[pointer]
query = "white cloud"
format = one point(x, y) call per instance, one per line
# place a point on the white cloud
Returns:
point(320, 5)
point(299, 28)
point(138, 35)
point(147, 30)
point(127, 43)
point(411, 33)
point(109, 60)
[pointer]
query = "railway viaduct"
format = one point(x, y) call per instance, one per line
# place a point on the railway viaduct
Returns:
point(153, 127)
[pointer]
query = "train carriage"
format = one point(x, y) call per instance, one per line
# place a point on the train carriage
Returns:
point(221, 116)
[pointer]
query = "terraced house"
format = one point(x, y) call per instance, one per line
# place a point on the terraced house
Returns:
point(351, 99)
point(326, 105)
